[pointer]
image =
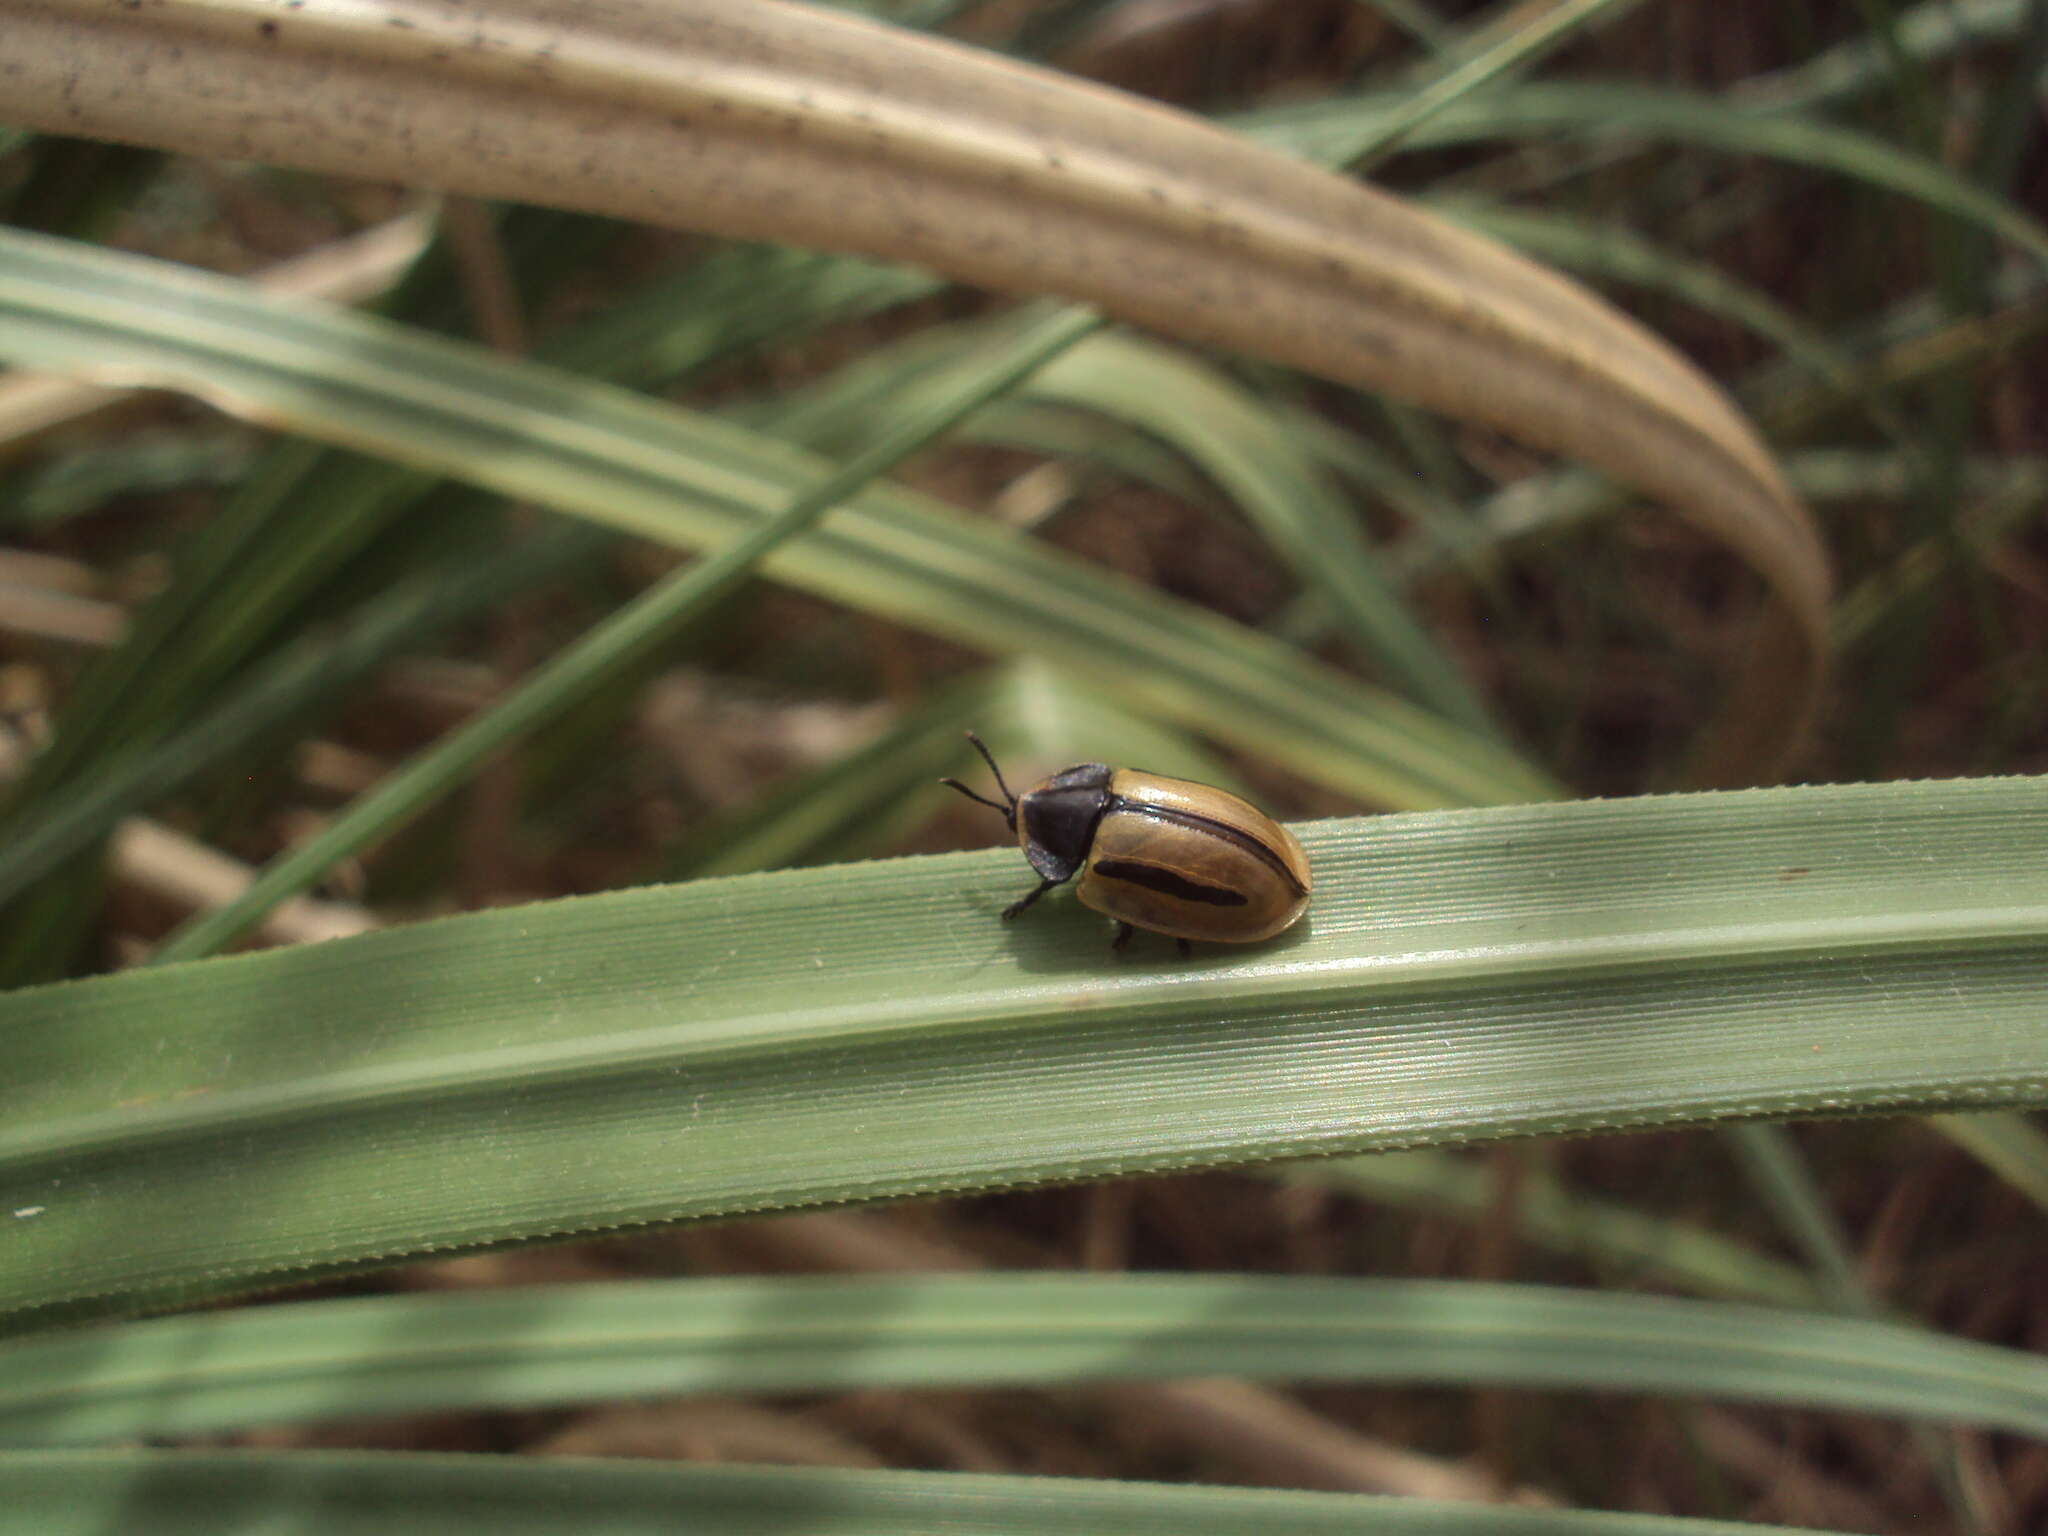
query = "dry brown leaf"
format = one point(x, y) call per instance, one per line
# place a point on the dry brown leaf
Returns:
point(764, 120)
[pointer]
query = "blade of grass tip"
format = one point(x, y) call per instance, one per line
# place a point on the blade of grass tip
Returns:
point(1515, 51)
point(641, 624)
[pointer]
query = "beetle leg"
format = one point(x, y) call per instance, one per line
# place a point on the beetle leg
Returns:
point(1186, 948)
point(1123, 937)
point(1018, 906)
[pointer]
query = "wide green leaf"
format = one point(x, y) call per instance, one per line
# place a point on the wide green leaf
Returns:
point(542, 1345)
point(862, 1032)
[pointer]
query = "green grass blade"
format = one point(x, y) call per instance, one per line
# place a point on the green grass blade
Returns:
point(1616, 254)
point(1561, 500)
point(555, 1345)
point(627, 636)
point(72, 484)
point(2011, 1146)
point(1274, 476)
point(77, 812)
point(1930, 33)
point(871, 1031)
point(653, 470)
point(1779, 1172)
point(1529, 41)
point(1252, 453)
point(1415, 18)
point(1325, 130)
point(128, 693)
point(244, 572)
point(729, 303)
point(1621, 1242)
point(868, 800)
point(360, 1493)
point(241, 576)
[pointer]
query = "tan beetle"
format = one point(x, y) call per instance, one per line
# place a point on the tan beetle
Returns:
point(1167, 855)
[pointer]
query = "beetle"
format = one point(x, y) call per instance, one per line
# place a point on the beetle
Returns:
point(1167, 855)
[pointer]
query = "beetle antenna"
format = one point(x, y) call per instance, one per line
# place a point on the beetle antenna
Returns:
point(994, 805)
point(1008, 804)
point(989, 758)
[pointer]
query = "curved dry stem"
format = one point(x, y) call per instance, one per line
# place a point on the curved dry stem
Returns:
point(761, 120)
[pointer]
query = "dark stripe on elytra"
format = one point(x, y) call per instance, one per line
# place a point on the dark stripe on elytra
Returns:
point(1214, 828)
point(1155, 878)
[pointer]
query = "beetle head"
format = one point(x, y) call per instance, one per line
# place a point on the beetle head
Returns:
point(1059, 819)
point(1058, 816)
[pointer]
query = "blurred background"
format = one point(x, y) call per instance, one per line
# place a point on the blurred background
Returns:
point(1677, 156)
